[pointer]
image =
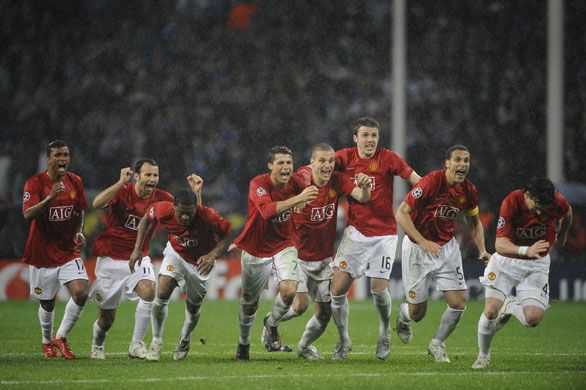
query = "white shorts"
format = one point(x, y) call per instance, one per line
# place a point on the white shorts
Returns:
point(418, 267)
point(196, 285)
point(531, 277)
point(256, 271)
point(114, 281)
point(46, 282)
point(359, 255)
point(315, 278)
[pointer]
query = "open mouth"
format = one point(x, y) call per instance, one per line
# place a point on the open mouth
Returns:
point(285, 175)
point(461, 173)
point(149, 187)
point(61, 167)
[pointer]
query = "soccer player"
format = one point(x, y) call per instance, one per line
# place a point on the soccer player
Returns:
point(370, 240)
point(267, 245)
point(54, 201)
point(197, 236)
point(430, 250)
point(315, 227)
point(128, 203)
point(531, 221)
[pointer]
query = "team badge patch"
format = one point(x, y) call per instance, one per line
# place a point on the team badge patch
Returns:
point(73, 195)
point(343, 265)
point(461, 199)
point(417, 192)
point(491, 276)
point(500, 223)
point(152, 212)
point(373, 167)
point(332, 194)
point(170, 268)
point(412, 294)
point(98, 297)
point(261, 191)
point(543, 217)
point(38, 290)
point(26, 197)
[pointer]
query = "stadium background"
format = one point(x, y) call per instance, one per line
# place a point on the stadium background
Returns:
point(208, 86)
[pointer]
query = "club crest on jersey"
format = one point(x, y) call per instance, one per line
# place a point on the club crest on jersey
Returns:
point(322, 213)
point(501, 223)
point(417, 192)
point(491, 276)
point(461, 200)
point(60, 213)
point(99, 297)
point(152, 212)
point(25, 197)
point(412, 294)
point(261, 191)
point(72, 194)
point(343, 265)
point(373, 166)
point(132, 222)
point(446, 211)
point(38, 290)
point(170, 268)
point(332, 194)
point(531, 232)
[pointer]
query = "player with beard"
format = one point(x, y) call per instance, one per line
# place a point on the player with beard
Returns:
point(315, 233)
point(430, 250)
point(54, 201)
point(127, 203)
point(267, 245)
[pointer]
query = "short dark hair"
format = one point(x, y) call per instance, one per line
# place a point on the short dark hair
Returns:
point(143, 161)
point(185, 197)
point(367, 121)
point(55, 145)
point(278, 150)
point(321, 147)
point(541, 190)
point(452, 149)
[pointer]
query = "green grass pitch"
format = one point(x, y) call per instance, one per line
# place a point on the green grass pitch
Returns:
point(553, 355)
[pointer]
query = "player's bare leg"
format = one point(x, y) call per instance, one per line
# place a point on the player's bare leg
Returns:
point(299, 306)
point(189, 324)
point(456, 305)
point(142, 318)
point(46, 319)
point(486, 331)
point(529, 315)
point(78, 289)
point(287, 290)
point(314, 328)
point(159, 311)
point(379, 289)
point(341, 283)
point(100, 328)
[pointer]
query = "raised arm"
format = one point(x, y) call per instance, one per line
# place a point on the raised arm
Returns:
point(101, 200)
point(36, 210)
point(196, 184)
point(363, 188)
point(307, 195)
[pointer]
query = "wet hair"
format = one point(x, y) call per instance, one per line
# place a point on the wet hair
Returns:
point(541, 190)
point(366, 121)
point(185, 197)
point(278, 150)
point(143, 161)
point(452, 149)
point(55, 145)
point(321, 147)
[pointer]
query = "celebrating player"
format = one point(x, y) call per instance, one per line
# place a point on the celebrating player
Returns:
point(54, 201)
point(315, 227)
point(430, 249)
point(197, 236)
point(526, 230)
point(267, 245)
point(370, 239)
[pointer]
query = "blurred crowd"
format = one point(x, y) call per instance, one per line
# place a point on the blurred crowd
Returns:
point(207, 86)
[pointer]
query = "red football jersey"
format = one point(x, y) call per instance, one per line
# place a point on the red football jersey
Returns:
point(436, 205)
point(524, 227)
point(191, 242)
point(50, 240)
point(315, 225)
point(266, 233)
point(375, 217)
point(126, 211)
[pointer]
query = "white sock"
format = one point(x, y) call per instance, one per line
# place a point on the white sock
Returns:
point(382, 302)
point(72, 314)
point(340, 314)
point(158, 317)
point(404, 313)
point(142, 320)
point(291, 313)
point(449, 322)
point(280, 308)
point(485, 334)
point(313, 329)
point(246, 322)
point(46, 319)
point(516, 308)
point(189, 323)
point(99, 334)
